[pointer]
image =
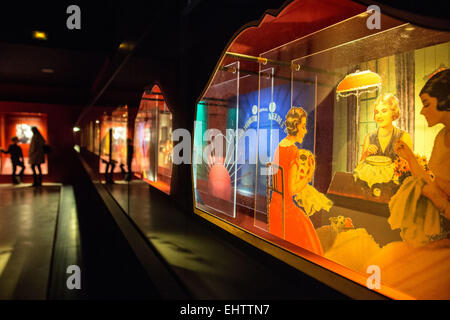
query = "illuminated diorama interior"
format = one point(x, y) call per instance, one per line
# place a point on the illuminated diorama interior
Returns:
point(19, 124)
point(113, 139)
point(90, 137)
point(341, 212)
point(153, 140)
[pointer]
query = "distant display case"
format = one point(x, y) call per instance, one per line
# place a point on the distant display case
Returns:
point(153, 140)
point(90, 136)
point(87, 137)
point(96, 138)
point(113, 139)
point(297, 146)
point(19, 124)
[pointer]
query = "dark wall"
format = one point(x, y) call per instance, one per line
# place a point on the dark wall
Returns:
point(60, 122)
point(324, 143)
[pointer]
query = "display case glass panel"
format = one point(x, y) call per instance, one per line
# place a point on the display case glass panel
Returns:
point(153, 140)
point(325, 120)
point(87, 136)
point(215, 144)
point(113, 142)
point(96, 137)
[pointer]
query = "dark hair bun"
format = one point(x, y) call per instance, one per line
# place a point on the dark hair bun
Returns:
point(438, 86)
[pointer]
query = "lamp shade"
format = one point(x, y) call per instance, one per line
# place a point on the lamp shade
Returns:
point(359, 81)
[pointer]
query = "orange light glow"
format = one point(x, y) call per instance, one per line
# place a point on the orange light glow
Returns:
point(39, 35)
point(363, 80)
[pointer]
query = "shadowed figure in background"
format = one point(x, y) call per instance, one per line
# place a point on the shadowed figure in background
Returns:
point(109, 171)
point(37, 156)
point(16, 159)
point(130, 150)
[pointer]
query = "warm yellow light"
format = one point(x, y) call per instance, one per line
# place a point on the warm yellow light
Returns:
point(39, 35)
point(127, 45)
point(47, 70)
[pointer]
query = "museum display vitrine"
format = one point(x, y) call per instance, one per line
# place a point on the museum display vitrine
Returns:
point(90, 136)
point(113, 140)
point(326, 147)
point(153, 140)
point(87, 137)
point(15, 124)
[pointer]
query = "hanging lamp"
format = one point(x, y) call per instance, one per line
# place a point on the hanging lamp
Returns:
point(356, 84)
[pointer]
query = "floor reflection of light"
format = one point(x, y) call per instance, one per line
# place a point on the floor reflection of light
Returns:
point(5, 253)
point(73, 226)
point(184, 254)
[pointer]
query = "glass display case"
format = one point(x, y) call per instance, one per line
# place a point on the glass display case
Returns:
point(153, 140)
point(113, 142)
point(96, 137)
point(87, 137)
point(303, 146)
point(19, 124)
point(90, 135)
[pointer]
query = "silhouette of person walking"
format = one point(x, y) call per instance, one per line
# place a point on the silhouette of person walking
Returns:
point(16, 159)
point(130, 150)
point(37, 156)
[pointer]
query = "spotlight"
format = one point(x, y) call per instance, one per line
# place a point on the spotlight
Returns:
point(39, 35)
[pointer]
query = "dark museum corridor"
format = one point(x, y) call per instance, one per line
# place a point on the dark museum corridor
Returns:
point(224, 150)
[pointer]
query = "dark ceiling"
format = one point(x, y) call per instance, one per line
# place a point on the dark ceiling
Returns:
point(84, 61)
point(89, 66)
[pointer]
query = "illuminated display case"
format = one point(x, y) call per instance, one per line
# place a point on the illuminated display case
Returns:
point(96, 137)
point(300, 146)
point(19, 125)
point(113, 141)
point(87, 137)
point(153, 140)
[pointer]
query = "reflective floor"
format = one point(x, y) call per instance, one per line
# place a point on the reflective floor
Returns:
point(210, 266)
point(27, 229)
point(207, 263)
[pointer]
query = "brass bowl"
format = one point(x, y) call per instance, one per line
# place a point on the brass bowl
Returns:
point(379, 160)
